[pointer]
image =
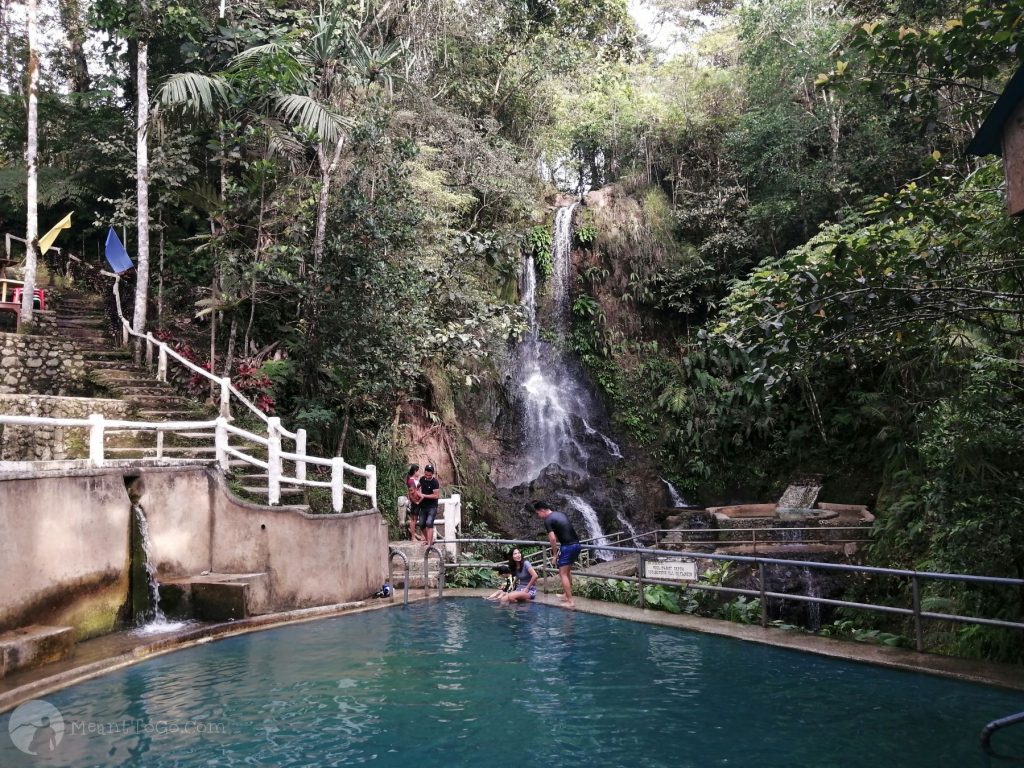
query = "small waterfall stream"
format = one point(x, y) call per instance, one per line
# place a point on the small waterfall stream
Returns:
point(594, 533)
point(675, 499)
point(149, 619)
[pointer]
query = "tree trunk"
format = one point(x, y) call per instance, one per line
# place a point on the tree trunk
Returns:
point(327, 171)
point(142, 190)
point(31, 163)
point(71, 19)
point(229, 356)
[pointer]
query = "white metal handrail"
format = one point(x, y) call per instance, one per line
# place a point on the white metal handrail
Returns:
point(99, 426)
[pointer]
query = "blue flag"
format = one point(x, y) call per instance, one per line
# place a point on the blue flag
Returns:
point(117, 256)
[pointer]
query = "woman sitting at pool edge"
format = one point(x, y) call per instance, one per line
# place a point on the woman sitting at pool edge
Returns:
point(527, 576)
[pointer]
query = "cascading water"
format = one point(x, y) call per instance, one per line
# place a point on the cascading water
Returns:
point(150, 619)
point(676, 501)
point(554, 402)
point(595, 535)
point(556, 409)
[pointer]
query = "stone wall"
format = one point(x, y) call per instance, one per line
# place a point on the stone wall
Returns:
point(47, 443)
point(46, 365)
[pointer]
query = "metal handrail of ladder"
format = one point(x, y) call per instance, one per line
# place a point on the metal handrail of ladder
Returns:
point(440, 574)
point(405, 582)
point(989, 730)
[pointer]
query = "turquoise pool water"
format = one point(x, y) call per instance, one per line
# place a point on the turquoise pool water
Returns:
point(462, 682)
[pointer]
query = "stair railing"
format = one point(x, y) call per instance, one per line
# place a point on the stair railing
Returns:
point(97, 426)
point(275, 431)
point(164, 353)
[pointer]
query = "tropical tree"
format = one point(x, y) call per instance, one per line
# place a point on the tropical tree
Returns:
point(31, 163)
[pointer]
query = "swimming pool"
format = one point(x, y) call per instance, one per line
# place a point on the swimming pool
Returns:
point(463, 682)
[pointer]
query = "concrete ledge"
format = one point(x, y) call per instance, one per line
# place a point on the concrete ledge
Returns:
point(34, 646)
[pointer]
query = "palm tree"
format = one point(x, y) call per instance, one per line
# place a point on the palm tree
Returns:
point(317, 72)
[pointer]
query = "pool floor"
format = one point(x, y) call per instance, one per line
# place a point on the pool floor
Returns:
point(464, 682)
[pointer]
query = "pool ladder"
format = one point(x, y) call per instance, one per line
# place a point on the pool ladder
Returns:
point(432, 549)
point(989, 730)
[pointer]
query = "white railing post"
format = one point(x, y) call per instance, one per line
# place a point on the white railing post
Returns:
point(150, 341)
point(124, 332)
point(273, 459)
point(225, 398)
point(161, 364)
point(220, 442)
point(371, 484)
point(300, 450)
point(337, 483)
point(96, 439)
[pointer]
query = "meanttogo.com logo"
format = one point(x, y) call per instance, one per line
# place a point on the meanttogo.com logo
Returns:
point(36, 727)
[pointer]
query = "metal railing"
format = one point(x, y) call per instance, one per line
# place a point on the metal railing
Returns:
point(916, 578)
point(830, 534)
point(98, 427)
point(996, 725)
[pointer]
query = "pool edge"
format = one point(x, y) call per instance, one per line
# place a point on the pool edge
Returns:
point(46, 680)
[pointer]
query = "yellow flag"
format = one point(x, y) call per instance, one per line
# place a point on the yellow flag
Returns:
point(47, 240)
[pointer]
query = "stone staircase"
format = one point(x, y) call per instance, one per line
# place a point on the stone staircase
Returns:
point(82, 316)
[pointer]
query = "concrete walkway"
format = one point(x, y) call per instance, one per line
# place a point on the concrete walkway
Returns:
point(98, 657)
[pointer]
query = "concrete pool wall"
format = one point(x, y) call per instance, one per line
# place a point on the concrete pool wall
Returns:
point(65, 556)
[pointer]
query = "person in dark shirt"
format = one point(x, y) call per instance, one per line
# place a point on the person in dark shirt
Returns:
point(565, 545)
point(430, 492)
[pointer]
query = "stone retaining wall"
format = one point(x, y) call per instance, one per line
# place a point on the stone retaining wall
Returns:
point(46, 365)
point(51, 443)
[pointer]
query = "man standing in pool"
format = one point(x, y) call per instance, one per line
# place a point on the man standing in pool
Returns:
point(565, 545)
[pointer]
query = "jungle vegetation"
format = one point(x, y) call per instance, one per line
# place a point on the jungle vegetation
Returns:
point(799, 268)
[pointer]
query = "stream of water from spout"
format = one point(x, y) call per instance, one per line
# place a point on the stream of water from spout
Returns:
point(152, 620)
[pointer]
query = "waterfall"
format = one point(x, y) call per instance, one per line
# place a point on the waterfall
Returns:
point(560, 418)
point(675, 500)
point(554, 402)
point(626, 525)
point(813, 609)
point(150, 619)
point(595, 535)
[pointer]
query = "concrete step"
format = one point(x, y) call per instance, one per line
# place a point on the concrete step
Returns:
point(171, 451)
point(216, 596)
point(150, 414)
point(150, 389)
point(34, 646)
point(104, 353)
point(414, 550)
point(65, 320)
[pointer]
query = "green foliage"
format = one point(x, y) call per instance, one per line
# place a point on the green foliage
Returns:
point(538, 245)
point(851, 629)
point(742, 610)
point(609, 590)
point(586, 235)
point(662, 598)
point(470, 576)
